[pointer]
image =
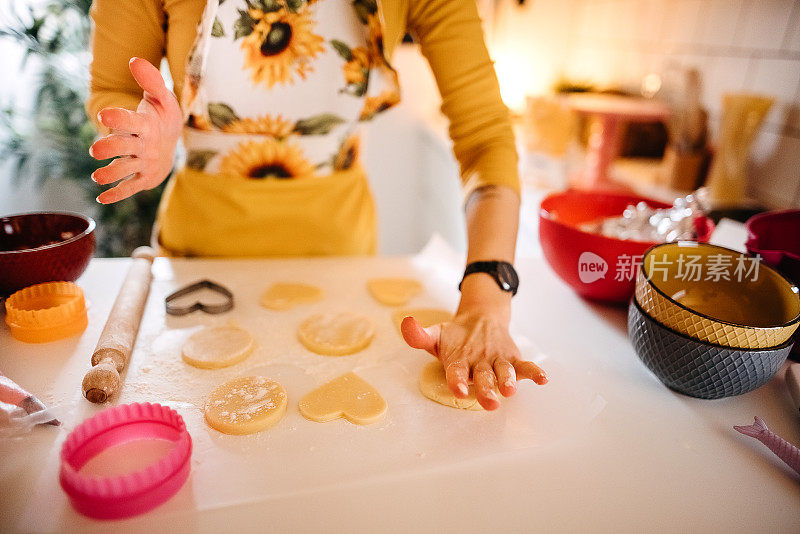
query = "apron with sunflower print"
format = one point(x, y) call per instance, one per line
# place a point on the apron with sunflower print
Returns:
point(274, 96)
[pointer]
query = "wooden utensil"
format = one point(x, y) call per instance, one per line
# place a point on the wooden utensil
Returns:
point(696, 117)
point(114, 348)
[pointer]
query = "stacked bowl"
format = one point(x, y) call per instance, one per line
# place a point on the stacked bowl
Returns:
point(709, 321)
point(775, 237)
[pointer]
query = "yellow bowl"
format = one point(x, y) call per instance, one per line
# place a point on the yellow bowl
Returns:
point(717, 295)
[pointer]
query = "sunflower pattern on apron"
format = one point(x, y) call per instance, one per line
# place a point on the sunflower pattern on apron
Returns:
point(274, 97)
point(308, 72)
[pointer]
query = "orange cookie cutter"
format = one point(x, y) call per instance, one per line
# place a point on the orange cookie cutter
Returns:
point(46, 312)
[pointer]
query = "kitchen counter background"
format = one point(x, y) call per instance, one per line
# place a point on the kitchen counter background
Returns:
point(651, 461)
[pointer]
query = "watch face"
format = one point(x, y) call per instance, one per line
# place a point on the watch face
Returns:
point(507, 276)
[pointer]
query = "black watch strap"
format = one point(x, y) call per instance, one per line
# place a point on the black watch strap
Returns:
point(503, 273)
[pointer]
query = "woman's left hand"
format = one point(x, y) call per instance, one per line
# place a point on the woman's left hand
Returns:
point(475, 347)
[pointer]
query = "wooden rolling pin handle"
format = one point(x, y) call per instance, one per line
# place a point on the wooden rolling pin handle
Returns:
point(101, 381)
point(119, 335)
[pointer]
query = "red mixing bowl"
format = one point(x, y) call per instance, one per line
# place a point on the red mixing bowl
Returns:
point(596, 267)
point(775, 236)
point(43, 247)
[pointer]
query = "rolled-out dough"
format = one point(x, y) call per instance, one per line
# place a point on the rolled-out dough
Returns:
point(285, 295)
point(433, 384)
point(335, 333)
point(246, 405)
point(394, 291)
point(425, 316)
point(347, 396)
point(217, 346)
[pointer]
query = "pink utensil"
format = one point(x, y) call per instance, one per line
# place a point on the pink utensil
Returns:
point(131, 494)
point(784, 450)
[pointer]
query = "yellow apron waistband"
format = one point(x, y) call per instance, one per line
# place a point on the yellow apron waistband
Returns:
point(203, 214)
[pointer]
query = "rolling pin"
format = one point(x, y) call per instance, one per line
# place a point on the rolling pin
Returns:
point(119, 335)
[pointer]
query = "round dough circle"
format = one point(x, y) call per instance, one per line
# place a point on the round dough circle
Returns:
point(433, 384)
point(425, 316)
point(285, 295)
point(246, 405)
point(335, 333)
point(394, 291)
point(217, 346)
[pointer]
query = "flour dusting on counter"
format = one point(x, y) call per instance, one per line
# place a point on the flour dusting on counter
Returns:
point(415, 434)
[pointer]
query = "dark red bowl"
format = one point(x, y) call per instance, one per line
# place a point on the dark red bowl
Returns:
point(775, 236)
point(43, 247)
point(596, 267)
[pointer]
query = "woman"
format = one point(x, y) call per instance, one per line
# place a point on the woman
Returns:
point(272, 94)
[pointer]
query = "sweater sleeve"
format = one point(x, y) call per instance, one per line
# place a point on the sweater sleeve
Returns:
point(450, 37)
point(120, 31)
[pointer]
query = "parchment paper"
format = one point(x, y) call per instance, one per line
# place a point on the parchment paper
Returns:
point(299, 456)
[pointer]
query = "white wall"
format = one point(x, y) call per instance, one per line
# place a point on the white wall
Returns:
point(737, 45)
point(529, 45)
point(411, 167)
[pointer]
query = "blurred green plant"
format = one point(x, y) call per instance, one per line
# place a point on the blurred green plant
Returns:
point(51, 140)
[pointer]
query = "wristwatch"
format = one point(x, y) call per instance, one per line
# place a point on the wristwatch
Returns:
point(503, 273)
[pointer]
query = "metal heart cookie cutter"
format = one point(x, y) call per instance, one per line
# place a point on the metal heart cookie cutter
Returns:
point(173, 309)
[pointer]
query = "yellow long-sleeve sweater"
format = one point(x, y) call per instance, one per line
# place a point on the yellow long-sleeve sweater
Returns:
point(448, 31)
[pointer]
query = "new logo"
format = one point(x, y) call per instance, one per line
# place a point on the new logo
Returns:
point(591, 267)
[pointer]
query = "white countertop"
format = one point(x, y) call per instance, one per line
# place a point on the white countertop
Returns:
point(652, 460)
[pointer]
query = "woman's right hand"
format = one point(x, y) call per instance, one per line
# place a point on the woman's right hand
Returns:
point(142, 141)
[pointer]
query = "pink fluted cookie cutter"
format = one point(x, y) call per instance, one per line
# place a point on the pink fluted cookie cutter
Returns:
point(131, 494)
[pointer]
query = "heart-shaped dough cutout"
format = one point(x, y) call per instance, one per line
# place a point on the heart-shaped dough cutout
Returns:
point(394, 291)
point(285, 295)
point(347, 396)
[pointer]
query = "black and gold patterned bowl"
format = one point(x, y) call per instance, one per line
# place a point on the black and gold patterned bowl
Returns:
point(697, 368)
point(717, 295)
